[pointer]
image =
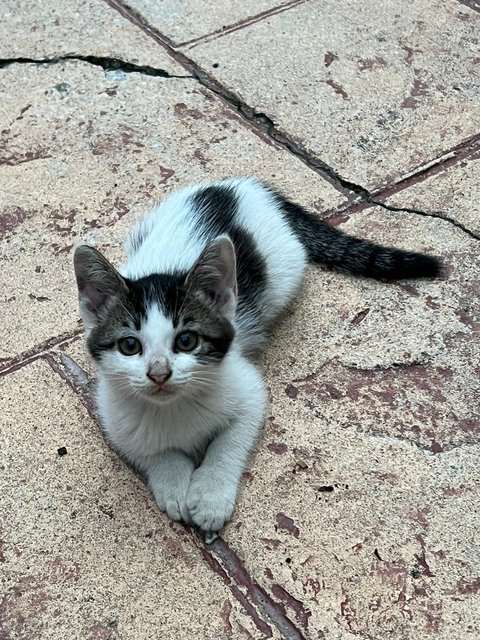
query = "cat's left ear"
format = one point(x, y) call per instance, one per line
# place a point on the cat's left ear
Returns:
point(98, 284)
point(215, 275)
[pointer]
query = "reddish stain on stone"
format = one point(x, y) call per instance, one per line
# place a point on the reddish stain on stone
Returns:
point(271, 543)
point(408, 288)
point(332, 391)
point(177, 550)
point(470, 425)
point(329, 58)
point(421, 558)
point(367, 64)
point(200, 157)
point(58, 249)
point(291, 391)
point(430, 302)
point(129, 140)
point(339, 90)
point(393, 574)
point(225, 616)
point(390, 478)
point(277, 447)
point(337, 219)
point(454, 491)
point(182, 111)
point(409, 53)
point(433, 615)
point(287, 524)
point(268, 573)
point(28, 156)
point(418, 89)
point(435, 447)
point(419, 517)
point(166, 174)
point(348, 612)
point(314, 585)
point(467, 587)
point(298, 607)
point(99, 631)
point(10, 220)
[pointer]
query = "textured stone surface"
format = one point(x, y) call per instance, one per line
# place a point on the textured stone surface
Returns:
point(83, 550)
point(48, 29)
point(369, 461)
point(359, 516)
point(454, 192)
point(88, 148)
point(374, 95)
point(186, 21)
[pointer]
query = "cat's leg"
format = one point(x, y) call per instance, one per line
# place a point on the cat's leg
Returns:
point(169, 476)
point(214, 485)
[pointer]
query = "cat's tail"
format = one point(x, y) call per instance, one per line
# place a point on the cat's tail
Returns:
point(330, 246)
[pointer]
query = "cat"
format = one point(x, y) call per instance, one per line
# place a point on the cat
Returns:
point(176, 333)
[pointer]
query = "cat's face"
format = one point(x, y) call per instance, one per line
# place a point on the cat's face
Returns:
point(163, 336)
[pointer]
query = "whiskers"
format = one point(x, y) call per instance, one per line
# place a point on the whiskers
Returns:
point(123, 385)
point(201, 381)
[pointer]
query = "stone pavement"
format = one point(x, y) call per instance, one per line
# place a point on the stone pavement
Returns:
point(359, 516)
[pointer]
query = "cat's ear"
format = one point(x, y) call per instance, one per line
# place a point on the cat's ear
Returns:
point(97, 281)
point(215, 275)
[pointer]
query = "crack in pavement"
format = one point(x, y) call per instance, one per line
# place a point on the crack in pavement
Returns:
point(427, 214)
point(37, 351)
point(106, 63)
point(261, 121)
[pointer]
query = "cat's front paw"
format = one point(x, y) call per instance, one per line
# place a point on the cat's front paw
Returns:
point(172, 498)
point(172, 501)
point(210, 505)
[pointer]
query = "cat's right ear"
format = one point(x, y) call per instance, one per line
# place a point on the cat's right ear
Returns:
point(97, 282)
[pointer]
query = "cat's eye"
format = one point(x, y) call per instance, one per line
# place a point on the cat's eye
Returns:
point(129, 346)
point(186, 341)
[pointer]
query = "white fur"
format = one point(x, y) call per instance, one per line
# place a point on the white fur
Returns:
point(218, 420)
point(173, 240)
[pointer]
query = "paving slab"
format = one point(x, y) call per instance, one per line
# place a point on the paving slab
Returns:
point(361, 511)
point(93, 151)
point(454, 192)
point(84, 551)
point(186, 21)
point(48, 29)
point(372, 89)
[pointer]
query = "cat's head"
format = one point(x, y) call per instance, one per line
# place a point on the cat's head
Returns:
point(161, 336)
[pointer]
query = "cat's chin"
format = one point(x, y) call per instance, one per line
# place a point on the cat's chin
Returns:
point(162, 396)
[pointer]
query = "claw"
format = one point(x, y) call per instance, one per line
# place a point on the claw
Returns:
point(210, 536)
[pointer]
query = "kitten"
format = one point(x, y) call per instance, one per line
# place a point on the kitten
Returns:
point(175, 336)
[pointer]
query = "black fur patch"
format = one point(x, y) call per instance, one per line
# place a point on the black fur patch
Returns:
point(165, 290)
point(217, 207)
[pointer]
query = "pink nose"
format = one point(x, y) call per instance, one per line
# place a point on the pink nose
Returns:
point(159, 378)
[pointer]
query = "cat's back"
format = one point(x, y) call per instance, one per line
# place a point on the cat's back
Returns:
point(172, 235)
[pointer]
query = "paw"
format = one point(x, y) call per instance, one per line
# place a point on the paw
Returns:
point(171, 497)
point(210, 506)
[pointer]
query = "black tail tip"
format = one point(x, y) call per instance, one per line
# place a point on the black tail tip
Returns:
point(419, 265)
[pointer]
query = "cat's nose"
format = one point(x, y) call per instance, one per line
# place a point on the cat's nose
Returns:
point(159, 378)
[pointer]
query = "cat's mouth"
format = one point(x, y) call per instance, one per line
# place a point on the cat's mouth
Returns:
point(162, 391)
